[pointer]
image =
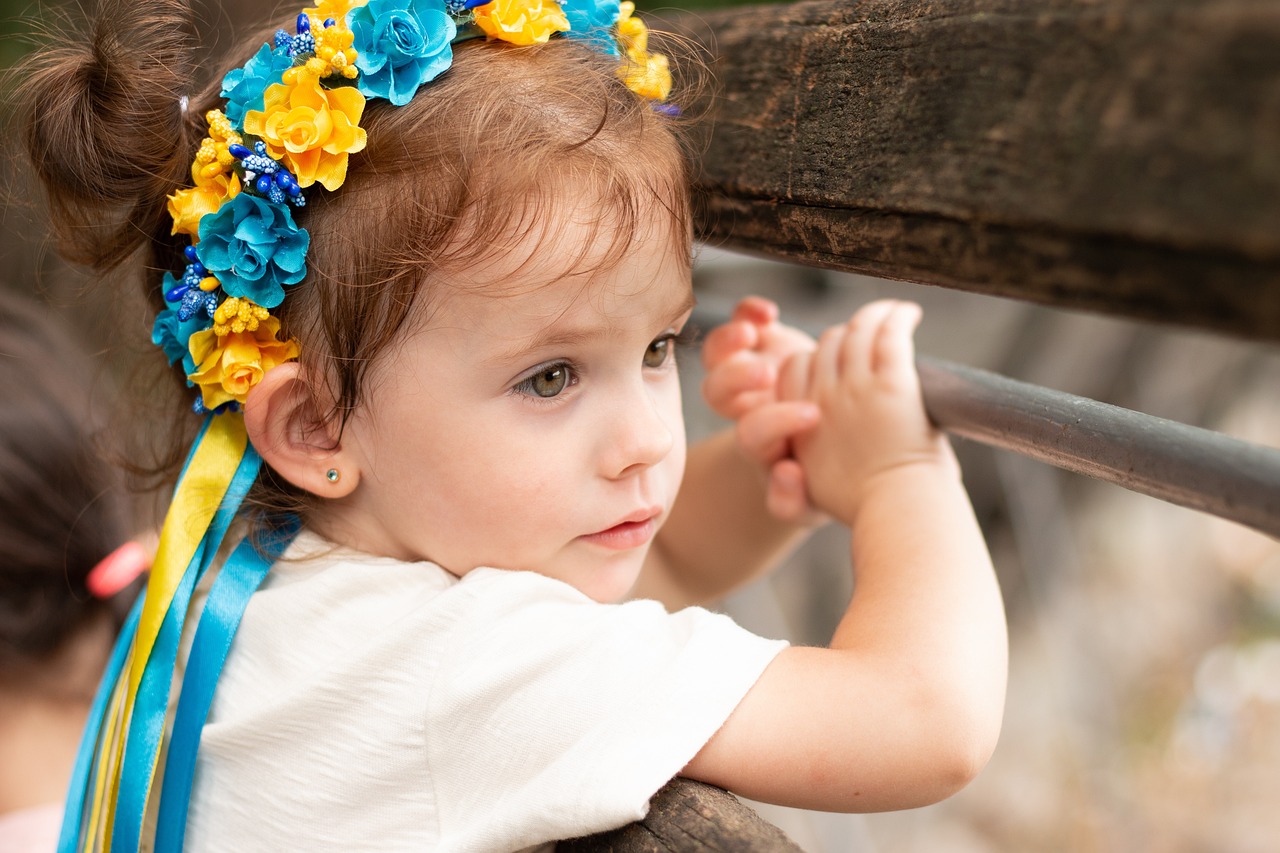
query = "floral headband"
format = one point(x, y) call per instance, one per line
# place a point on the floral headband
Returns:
point(292, 118)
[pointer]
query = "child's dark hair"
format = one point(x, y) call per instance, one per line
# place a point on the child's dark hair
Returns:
point(481, 151)
point(61, 508)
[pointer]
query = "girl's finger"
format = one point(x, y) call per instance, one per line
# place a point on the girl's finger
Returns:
point(764, 434)
point(864, 328)
point(743, 404)
point(757, 310)
point(786, 498)
point(894, 355)
point(826, 361)
point(779, 341)
point(793, 379)
point(737, 383)
point(725, 340)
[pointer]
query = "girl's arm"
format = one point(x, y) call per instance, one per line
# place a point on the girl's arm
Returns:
point(720, 534)
point(905, 706)
point(738, 512)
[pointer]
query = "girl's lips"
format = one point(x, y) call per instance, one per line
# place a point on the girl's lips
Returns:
point(624, 536)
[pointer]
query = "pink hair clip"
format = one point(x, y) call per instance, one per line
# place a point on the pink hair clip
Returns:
point(117, 570)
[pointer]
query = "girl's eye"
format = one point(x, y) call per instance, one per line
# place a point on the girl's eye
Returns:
point(658, 352)
point(548, 382)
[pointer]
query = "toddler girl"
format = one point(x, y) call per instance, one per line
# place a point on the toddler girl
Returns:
point(423, 267)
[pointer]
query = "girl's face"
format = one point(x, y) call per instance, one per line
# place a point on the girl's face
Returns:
point(534, 421)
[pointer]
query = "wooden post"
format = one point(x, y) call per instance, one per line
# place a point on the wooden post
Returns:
point(1120, 156)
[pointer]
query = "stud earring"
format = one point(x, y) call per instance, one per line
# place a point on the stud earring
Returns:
point(333, 475)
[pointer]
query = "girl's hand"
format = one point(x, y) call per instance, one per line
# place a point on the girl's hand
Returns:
point(863, 378)
point(742, 359)
point(743, 356)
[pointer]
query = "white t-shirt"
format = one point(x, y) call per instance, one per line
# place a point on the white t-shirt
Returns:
point(371, 704)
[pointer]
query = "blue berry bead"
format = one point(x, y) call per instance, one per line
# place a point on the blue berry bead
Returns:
point(260, 165)
point(286, 182)
point(303, 24)
point(192, 302)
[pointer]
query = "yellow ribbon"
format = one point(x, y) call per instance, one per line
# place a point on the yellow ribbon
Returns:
point(208, 474)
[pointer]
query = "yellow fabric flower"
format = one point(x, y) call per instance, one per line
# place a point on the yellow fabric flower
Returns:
point(228, 366)
point(187, 206)
point(521, 21)
point(647, 74)
point(632, 33)
point(310, 128)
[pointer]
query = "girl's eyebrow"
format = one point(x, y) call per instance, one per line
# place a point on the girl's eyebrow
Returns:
point(689, 302)
point(561, 335)
point(552, 337)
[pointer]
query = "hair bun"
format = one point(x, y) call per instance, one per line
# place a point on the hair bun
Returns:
point(104, 128)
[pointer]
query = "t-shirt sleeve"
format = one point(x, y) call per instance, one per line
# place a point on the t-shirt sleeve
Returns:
point(552, 716)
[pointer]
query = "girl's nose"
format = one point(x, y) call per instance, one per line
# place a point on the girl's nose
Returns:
point(639, 434)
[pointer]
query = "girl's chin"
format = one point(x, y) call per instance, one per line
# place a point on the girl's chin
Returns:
point(611, 583)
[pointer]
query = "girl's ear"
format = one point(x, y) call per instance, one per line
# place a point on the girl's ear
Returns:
point(288, 431)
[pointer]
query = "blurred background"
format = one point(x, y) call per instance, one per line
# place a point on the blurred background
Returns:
point(1144, 700)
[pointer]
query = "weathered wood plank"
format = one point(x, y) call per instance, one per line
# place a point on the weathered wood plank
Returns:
point(1120, 156)
point(689, 817)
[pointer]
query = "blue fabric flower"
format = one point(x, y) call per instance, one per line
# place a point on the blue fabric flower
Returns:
point(400, 44)
point(170, 332)
point(593, 20)
point(254, 248)
point(243, 87)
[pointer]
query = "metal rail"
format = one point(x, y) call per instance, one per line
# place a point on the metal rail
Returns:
point(1185, 465)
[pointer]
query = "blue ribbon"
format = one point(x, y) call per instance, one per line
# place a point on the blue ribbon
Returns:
point(78, 790)
point(146, 723)
point(235, 584)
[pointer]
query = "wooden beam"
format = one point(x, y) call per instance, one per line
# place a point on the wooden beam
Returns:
point(689, 817)
point(1118, 156)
